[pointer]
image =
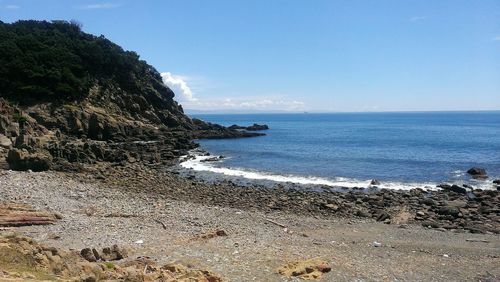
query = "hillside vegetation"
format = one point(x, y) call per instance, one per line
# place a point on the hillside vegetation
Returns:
point(55, 60)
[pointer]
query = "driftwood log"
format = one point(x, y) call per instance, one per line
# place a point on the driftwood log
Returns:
point(13, 215)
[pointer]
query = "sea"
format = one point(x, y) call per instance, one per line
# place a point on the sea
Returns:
point(400, 150)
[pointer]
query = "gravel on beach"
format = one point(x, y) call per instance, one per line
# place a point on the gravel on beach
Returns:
point(162, 224)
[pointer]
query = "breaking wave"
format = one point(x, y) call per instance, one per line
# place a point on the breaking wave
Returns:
point(200, 163)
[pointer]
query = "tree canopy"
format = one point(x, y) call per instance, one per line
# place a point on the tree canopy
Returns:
point(56, 60)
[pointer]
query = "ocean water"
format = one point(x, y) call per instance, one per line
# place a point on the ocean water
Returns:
point(401, 150)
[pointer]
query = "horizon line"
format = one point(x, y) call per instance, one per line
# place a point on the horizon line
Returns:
point(215, 112)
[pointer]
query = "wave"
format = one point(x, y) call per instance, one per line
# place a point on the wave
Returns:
point(197, 163)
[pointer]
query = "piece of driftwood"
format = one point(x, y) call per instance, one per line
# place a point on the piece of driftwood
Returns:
point(14, 215)
point(274, 222)
point(477, 240)
point(162, 224)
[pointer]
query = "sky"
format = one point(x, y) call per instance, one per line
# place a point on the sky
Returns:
point(303, 55)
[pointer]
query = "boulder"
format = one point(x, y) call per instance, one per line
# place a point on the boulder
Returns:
point(256, 127)
point(375, 182)
point(444, 186)
point(496, 181)
point(382, 216)
point(428, 201)
point(22, 159)
point(5, 142)
point(457, 189)
point(453, 188)
point(113, 253)
point(107, 254)
point(88, 255)
point(477, 172)
point(449, 210)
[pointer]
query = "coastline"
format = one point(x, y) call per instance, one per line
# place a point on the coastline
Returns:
point(199, 163)
point(139, 197)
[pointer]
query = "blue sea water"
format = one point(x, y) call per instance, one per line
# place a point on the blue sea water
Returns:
point(420, 147)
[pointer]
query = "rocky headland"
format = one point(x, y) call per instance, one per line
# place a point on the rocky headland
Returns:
point(94, 110)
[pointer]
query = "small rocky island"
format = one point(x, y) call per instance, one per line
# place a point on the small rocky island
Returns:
point(254, 127)
point(88, 132)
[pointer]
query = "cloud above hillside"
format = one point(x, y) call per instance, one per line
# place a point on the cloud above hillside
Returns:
point(198, 93)
point(179, 85)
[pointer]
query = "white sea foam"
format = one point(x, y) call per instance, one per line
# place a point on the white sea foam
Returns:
point(195, 163)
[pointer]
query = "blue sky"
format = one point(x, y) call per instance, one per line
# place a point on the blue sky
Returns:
point(303, 55)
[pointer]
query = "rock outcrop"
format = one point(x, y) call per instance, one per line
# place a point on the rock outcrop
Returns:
point(254, 127)
point(477, 172)
point(115, 107)
point(24, 259)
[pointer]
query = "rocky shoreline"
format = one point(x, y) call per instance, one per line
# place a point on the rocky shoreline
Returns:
point(476, 211)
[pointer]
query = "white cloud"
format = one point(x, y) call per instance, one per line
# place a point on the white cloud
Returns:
point(496, 38)
point(255, 103)
point(12, 7)
point(179, 85)
point(417, 18)
point(188, 89)
point(99, 6)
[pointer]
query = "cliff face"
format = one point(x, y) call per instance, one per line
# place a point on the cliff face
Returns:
point(69, 98)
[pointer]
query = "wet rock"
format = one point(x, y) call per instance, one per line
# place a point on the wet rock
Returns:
point(496, 181)
point(444, 186)
point(212, 159)
point(455, 188)
point(477, 172)
point(375, 182)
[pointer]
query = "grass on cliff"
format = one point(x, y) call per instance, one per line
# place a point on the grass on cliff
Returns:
point(14, 261)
